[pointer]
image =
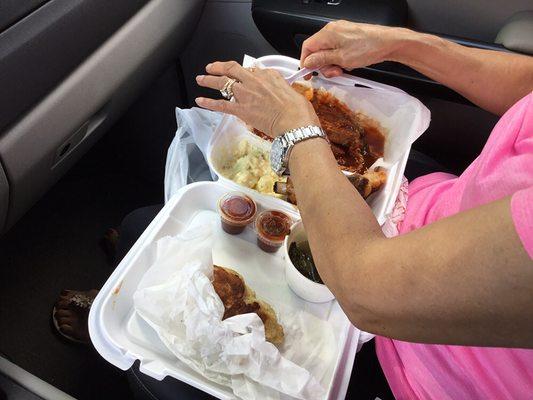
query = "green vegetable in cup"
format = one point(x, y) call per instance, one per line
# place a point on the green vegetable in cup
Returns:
point(302, 259)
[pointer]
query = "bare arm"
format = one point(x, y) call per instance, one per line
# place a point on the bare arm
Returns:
point(493, 80)
point(463, 280)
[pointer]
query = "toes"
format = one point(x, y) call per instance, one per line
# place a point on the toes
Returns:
point(67, 329)
point(75, 333)
point(64, 313)
point(65, 321)
point(62, 304)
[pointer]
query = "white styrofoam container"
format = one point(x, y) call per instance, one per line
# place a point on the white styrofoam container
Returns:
point(231, 130)
point(122, 337)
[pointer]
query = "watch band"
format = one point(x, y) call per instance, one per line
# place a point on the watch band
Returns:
point(300, 134)
point(284, 144)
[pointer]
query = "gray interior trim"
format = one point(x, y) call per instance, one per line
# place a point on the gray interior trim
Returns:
point(4, 197)
point(476, 20)
point(517, 33)
point(31, 382)
point(93, 96)
point(12, 11)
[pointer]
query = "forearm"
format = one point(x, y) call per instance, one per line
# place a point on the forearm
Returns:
point(339, 223)
point(492, 80)
point(449, 282)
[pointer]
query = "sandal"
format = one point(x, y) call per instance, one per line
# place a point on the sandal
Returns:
point(70, 315)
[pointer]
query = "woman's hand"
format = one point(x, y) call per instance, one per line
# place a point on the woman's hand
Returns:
point(349, 45)
point(493, 80)
point(263, 99)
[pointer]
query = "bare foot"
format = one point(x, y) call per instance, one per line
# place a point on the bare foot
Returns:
point(71, 312)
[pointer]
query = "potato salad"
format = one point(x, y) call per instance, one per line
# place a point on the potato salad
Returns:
point(250, 166)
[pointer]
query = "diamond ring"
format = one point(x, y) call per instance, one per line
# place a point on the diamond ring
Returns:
point(227, 90)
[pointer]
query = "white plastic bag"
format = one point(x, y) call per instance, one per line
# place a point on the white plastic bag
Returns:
point(187, 153)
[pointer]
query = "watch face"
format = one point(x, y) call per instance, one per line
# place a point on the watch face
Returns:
point(276, 156)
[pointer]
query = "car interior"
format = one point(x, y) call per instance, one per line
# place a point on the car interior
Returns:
point(88, 90)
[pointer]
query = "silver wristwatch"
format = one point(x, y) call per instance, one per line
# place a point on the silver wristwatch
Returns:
point(282, 146)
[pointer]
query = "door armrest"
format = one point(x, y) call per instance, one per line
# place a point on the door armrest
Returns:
point(517, 33)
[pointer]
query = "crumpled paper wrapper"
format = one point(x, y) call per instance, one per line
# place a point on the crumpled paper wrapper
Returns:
point(176, 298)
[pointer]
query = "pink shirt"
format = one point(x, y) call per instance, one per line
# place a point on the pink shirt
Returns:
point(504, 168)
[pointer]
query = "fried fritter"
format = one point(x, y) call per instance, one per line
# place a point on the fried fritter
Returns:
point(238, 299)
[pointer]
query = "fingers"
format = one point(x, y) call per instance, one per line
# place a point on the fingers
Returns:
point(323, 40)
point(331, 71)
point(218, 82)
point(63, 303)
point(67, 329)
point(213, 82)
point(322, 58)
point(230, 68)
point(223, 106)
point(238, 90)
point(62, 313)
point(319, 41)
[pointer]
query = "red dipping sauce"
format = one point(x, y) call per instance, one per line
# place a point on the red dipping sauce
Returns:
point(236, 211)
point(272, 227)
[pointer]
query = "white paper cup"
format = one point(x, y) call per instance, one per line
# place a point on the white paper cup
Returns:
point(300, 284)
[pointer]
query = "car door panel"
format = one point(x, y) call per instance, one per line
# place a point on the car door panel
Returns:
point(43, 48)
point(53, 135)
point(475, 20)
point(286, 23)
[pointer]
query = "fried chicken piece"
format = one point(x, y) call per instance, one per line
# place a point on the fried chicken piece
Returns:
point(286, 189)
point(377, 178)
point(368, 183)
point(365, 184)
point(238, 299)
point(341, 135)
point(356, 157)
point(338, 151)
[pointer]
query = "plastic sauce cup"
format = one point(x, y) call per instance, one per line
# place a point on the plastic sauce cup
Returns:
point(272, 227)
point(236, 211)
